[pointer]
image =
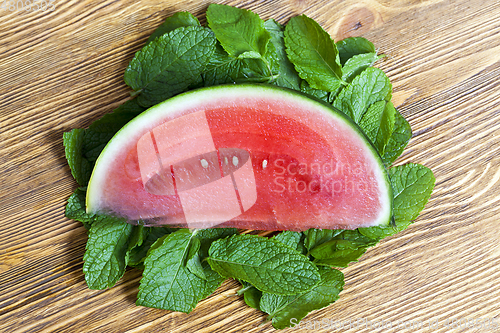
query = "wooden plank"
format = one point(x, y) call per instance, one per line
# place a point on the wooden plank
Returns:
point(62, 69)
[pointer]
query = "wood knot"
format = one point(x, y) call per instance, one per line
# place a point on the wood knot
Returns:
point(357, 22)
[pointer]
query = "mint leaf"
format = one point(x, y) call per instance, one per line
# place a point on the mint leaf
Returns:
point(342, 249)
point(138, 254)
point(379, 233)
point(73, 147)
point(75, 209)
point(167, 283)
point(251, 295)
point(353, 46)
point(105, 255)
point(371, 86)
point(286, 311)
point(358, 63)
point(208, 236)
point(204, 238)
point(195, 266)
point(180, 19)
point(136, 239)
point(240, 32)
point(170, 64)
point(313, 53)
point(316, 237)
point(319, 94)
point(412, 187)
point(398, 140)
point(223, 68)
point(193, 262)
point(292, 239)
point(265, 263)
point(287, 75)
point(378, 124)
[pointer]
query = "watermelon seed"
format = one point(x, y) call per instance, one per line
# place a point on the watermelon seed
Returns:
point(264, 164)
point(235, 160)
point(204, 163)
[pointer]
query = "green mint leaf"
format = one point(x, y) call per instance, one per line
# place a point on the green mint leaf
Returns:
point(412, 187)
point(292, 239)
point(167, 283)
point(313, 53)
point(194, 265)
point(75, 209)
point(398, 140)
point(251, 295)
point(193, 262)
point(379, 233)
point(178, 20)
point(208, 236)
point(105, 255)
point(240, 32)
point(316, 237)
point(139, 234)
point(319, 94)
point(378, 124)
point(170, 64)
point(73, 147)
point(102, 130)
point(287, 75)
point(272, 63)
point(286, 311)
point(265, 263)
point(358, 63)
point(353, 46)
point(371, 86)
point(223, 68)
point(342, 249)
point(138, 254)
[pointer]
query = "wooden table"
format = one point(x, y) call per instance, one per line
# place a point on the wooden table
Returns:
point(63, 69)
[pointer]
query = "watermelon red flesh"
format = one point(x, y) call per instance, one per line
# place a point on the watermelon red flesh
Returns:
point(310, 168)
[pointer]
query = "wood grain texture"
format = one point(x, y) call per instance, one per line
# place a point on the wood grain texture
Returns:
point(63, 69)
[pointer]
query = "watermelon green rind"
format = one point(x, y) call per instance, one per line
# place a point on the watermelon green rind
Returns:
point(193, 99)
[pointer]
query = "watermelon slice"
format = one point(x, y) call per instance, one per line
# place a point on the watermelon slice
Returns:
point(245, 156)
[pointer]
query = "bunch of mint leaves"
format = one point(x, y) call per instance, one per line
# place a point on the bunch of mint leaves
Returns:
point(287, 275)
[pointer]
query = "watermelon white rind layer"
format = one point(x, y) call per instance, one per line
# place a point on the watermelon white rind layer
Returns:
point(234, 96)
